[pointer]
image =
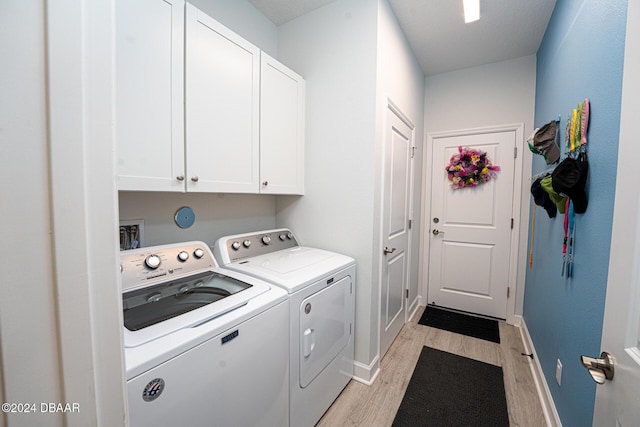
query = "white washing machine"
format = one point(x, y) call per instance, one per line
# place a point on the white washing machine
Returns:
point(203, 346)
point(321, 286)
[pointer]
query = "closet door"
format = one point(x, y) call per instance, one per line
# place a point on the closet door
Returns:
point(149, 94)
point(222, 107)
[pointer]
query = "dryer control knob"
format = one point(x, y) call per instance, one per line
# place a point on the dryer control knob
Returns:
point(289, 235)
point(283, 236)
point(246, 243)
point(152, 261)
point(198, 253)
point(266, 240)
point(183, 256)
point(235, 246)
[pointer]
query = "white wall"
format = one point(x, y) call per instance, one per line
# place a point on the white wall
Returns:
point(493, 94)
point(29, 354)
point(354, 59)
point(242, 18)
point(334, 49)
point(488, 95)
point(217, 215)
point(60, 311)
point(401, 81)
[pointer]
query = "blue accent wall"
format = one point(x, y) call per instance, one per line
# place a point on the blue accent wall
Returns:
point(581, 56)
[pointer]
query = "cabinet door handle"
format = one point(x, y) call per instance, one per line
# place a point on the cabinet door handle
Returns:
point(265, 183)
point(180, 178)
point(194, 178)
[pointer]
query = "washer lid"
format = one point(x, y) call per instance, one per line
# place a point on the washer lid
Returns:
point(293, 268)
point(154, 304)
point(155, 311)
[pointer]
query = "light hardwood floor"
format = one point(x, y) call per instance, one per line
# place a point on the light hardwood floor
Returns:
point(376, 405)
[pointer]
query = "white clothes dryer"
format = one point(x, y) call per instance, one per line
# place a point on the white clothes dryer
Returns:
point(203, 345)
point(321, 286)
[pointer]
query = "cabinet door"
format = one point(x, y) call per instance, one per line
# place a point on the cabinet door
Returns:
point(149, 94)
point(222, 107)
point(282, 98)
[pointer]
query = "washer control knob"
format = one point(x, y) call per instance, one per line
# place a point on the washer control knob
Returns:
point(289, 235)
point(283, 236)
point(266, 240)
point(246, 243)
point(183, 256)
point(152, 261)
point(198, 253)
point(235, 245)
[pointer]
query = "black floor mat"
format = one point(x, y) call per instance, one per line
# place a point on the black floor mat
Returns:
point(451, 390)
point(477, 327)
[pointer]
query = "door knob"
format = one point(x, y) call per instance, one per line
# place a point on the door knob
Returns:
point(387, 250)
point(600, 369)
point(436, 232)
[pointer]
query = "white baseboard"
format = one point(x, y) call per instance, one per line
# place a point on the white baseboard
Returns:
point(366, 374)
point(546, 400)
point(416, 307)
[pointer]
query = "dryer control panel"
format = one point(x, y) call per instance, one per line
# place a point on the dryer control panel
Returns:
point(240, 246)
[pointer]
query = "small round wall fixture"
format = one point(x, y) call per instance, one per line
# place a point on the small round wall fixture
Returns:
point(185, 217)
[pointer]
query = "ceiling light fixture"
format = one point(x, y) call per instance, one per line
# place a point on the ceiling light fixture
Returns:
point(471, 10)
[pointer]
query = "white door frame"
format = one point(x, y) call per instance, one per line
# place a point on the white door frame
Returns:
point(520, 216)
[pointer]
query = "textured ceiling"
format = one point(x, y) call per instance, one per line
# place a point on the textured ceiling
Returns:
point(438, 36)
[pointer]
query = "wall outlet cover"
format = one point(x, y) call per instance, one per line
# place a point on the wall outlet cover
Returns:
point(559, 372)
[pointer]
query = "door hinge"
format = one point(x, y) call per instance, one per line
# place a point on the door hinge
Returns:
point(413, 151)
point(406, 293)
point(508, 291)
point(512, 223)
point(515, 152)
point(410, 223)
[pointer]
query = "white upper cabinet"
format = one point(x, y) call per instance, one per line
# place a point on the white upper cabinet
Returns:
point(149, 94)
point(222, 108)
point(282, 98)
point(198, 109)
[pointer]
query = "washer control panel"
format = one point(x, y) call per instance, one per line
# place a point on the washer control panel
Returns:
point(145, 266)
point(241, 246)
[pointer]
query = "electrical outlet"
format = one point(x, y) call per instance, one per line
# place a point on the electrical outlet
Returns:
point(559, 372)
point(131, 234)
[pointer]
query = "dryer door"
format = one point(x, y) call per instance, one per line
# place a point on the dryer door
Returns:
point(325, 328)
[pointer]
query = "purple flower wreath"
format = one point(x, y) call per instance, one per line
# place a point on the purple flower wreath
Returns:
point(470, 168)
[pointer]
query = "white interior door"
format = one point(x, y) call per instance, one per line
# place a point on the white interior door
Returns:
point(396, 234)
point(470, 228)
point(618, 401)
